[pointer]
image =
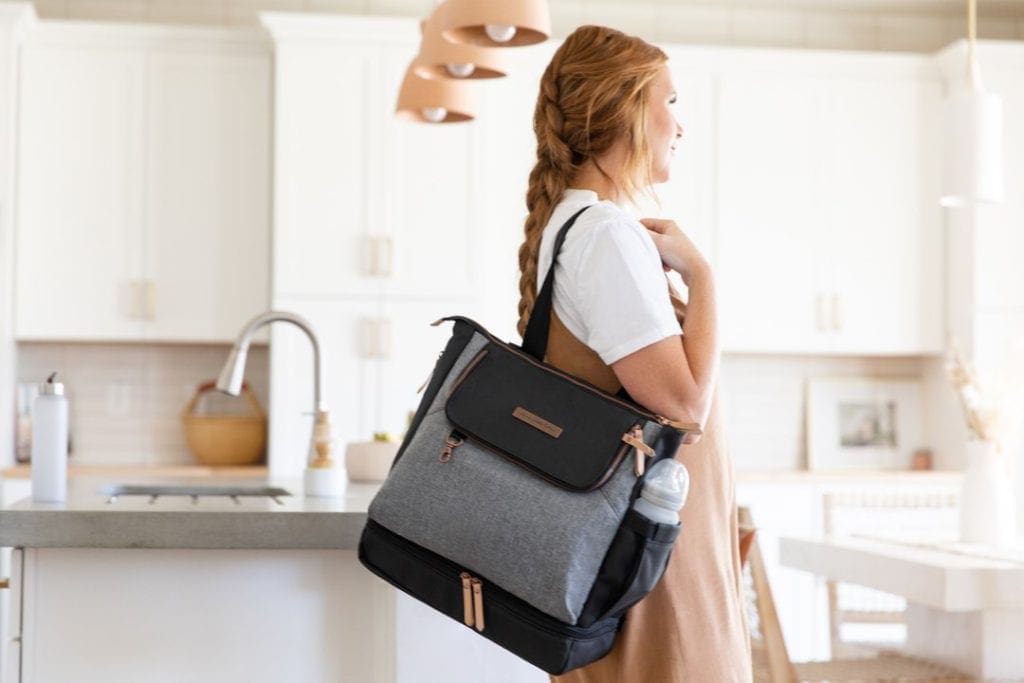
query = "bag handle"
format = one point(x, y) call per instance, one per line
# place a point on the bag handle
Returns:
point(535, 340)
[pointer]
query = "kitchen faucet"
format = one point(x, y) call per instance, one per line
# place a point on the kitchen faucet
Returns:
point(322, 476)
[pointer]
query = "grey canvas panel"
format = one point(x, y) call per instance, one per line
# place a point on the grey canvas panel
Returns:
point(542, 543)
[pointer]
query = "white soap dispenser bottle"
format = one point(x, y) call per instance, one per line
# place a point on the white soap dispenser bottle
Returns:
point(50, 443)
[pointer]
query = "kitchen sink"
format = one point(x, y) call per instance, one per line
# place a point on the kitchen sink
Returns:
point(194, 491)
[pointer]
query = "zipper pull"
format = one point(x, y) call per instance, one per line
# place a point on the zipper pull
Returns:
point(478, 603)
point(451, 442)
point(635, 438)
point(467, 598)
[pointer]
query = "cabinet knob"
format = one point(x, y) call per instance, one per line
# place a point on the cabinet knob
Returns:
point(376, 335)
point(149, 300)
point(837, 312)
point(821, 313)
point(379, 253)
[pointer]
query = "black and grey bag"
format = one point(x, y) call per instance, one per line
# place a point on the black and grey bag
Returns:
point(508, 506)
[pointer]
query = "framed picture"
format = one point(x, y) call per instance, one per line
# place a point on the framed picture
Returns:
point(863, 423)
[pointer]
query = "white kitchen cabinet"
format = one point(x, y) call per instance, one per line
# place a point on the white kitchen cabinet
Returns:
point(365, 204)
point(207, 192)
point(143, 184)
point(828, 236)
point(79, 241)
point(259, 616)
point(155, 616)
point(376, 229)
point(10, 629)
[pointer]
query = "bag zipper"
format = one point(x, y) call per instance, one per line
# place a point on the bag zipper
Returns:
point(660, 419)
point(468, 613)
point(635, 438)
point(478, 604)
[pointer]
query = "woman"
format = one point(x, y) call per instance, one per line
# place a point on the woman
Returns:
point(605, 132)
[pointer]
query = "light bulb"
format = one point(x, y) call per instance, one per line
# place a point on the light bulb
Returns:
point(500, 33)
point(460, 70)
point(434, 114)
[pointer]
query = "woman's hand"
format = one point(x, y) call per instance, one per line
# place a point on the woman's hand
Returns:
point(677, 251)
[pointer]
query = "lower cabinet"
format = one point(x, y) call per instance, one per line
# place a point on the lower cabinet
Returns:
point(245, 616)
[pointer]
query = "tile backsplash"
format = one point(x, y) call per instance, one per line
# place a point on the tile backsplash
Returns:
point(126, 400)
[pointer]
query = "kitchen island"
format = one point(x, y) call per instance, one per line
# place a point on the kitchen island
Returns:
point(179, 588)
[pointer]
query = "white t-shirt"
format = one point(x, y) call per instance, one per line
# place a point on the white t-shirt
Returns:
point(610, 289)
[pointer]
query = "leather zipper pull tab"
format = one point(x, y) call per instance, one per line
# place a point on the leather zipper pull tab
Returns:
point(635, 438)
point(451, 442)
point(478, 604)
point(467, 599)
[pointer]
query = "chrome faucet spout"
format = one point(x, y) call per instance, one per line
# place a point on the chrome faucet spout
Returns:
point(230, 379)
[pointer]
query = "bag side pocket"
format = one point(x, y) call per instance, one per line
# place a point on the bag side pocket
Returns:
point(632, 567)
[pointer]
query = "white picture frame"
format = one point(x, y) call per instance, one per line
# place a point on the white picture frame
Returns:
point(863, 424)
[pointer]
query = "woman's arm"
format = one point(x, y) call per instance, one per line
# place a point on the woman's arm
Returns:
point(676, 379)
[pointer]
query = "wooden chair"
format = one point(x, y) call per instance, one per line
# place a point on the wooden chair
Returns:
point(922, 514)
point(771, 661)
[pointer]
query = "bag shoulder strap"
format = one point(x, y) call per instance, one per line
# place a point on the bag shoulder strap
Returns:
point(535, 340)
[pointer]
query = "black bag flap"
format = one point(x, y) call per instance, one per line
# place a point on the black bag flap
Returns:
point(563, 430)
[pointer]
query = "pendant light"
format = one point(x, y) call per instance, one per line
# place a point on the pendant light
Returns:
point(441, 58)
point(434, 100)
point(973, 124)
point(492, 23)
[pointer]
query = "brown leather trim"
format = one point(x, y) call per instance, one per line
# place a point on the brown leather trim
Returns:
point(466, 370)
point(537, 422)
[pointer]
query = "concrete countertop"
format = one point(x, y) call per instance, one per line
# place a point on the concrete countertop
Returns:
point(89, 519)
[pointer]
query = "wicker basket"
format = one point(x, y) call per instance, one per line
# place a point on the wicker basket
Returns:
point(225, 440)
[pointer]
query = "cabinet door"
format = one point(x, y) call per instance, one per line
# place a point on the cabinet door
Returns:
point(424, 196)
point(768, 215)
point(323, 136)
point(207, 193)
point(79, 260)
point(10, 629)
point(883, 216)
point(350, 388)
point(411, 348)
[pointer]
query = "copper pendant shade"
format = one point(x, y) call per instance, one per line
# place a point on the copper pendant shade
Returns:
point(441, 58)
point(434, 100)
point(496, 23)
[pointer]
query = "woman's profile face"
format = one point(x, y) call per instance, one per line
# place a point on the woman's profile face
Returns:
point(663, 131)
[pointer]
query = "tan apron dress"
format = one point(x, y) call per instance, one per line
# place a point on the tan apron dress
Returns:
point(692, 627)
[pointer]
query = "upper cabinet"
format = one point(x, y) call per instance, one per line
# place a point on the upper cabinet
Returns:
point(829, 235)
point(79, 254)
point(365, 205)
point(143, 184)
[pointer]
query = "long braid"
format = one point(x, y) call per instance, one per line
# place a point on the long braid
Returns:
point(548, 181)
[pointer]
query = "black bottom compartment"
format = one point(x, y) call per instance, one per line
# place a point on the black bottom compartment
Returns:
point(511, 623)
